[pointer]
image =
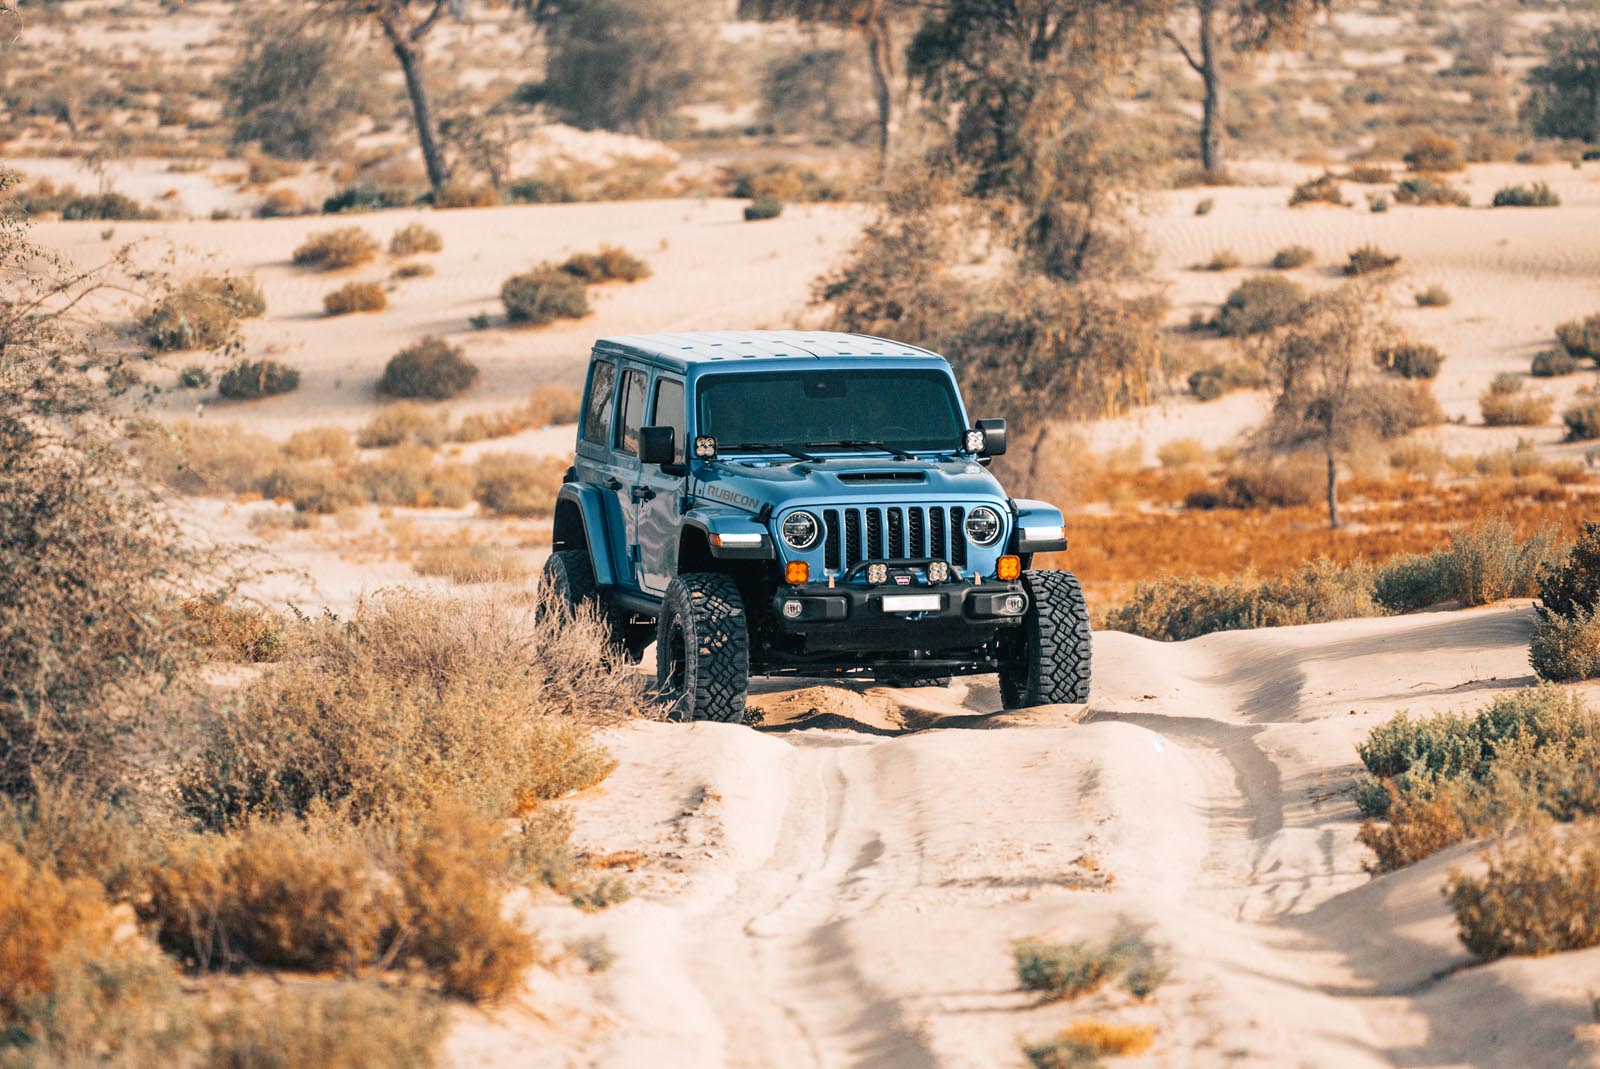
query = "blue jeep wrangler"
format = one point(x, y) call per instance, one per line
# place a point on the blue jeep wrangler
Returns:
point(806, 504)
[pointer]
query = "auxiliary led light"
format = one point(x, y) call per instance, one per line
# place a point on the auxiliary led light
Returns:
point(877, 574)
point(796, 571)
point(938, 572)
point(972, 441)
point(1009, 568)
point(705, 447)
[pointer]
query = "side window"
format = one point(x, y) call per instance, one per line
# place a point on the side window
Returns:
point(668, 411)
point(597, 418)
point(632, 412)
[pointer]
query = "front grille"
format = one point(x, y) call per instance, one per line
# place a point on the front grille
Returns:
point(897, 532)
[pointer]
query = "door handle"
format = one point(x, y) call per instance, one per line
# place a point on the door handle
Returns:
point(642, 493)
point(612, 483)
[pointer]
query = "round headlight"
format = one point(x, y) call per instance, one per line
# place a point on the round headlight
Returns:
point(801, 530)
point(983, 526)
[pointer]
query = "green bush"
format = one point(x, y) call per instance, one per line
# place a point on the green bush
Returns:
point(201, 314)
point(1369, 259)
point(355, 297)
point(1583, 421)
point(1411, 360)
point(608, 264)
point(1259, 304)
point(1581, 337)
point(250, 379)
point(332, 250)
point(1430, 191)
point(543, 295)
point(1177, 608)
point(1324, 189)
point(1566, 648)
point(763, 208)
point(1552, 363)
point(429, 367)
point(1538, 195)
point(1292, 256)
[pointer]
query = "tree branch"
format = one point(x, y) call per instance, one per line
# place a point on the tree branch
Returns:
point(1183, 50)
point(421, 29)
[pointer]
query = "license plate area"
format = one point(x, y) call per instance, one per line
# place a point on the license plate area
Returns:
point(912, 602)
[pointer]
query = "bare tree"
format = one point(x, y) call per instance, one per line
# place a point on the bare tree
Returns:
point(1240, 25)
point(873, 20)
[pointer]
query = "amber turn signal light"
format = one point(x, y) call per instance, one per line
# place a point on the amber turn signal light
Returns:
point(796, 571)
point(1009, 568)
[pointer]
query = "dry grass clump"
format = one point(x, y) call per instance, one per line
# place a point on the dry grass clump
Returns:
point(1323, 189)
point(1291, 257)
point(333, 250)
point(608, 264)
point(1176, 608)
point(73, 834)
point(546, 405)
point(414, 238)
point(413, 270)
point(1431, 191)
point(1222, 260)
point(429, 367)
point(1182, 453)
point(201, 314)
point(404, 423)
point(515, 484)
point(762, 208)
point(355, 297)
point(1369, 174)
point(1214, 380)
point(239, 632)
point(1552, 364)
point(1539, 895)
point(1505, 403)
point(1369, 259)
point(543, 295)
point(203, 458)
point(1260, 482)
point(311, 488)
point(407, 475)
point(1411, 360)
point(251, 379)
point(1434, 152)
point(319, 443)
point(1538, 195)
point(346, 1025)
point(472, 564)
point(1068, 970)
point(1082, 1044)
point(1581, 337)
point(1583, 421)
point(1259, 304)
point(1435, 296)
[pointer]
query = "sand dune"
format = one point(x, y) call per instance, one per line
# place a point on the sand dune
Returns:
point(840, 886)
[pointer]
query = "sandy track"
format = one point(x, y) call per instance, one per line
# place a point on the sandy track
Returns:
point(840, 887)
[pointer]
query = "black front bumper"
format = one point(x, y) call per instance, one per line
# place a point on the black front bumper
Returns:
point(865, 619)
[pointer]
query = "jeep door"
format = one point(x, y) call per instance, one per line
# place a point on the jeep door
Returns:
point(659, 495)
point(599, 465)
point(625, 464)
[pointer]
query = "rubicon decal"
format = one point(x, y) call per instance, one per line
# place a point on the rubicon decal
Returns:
point(722, 493)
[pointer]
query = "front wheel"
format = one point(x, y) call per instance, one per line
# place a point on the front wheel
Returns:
point(703, 649)
point(1046, 660)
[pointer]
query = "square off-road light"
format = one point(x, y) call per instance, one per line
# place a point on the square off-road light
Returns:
point(705, 446)
point(797, 571)
point(972, 441)
point(877, 574)
point(1009, 568)
point(938, 572)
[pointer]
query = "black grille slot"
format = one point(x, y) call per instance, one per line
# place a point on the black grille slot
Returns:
point(875, 549)
point(958, 537)
point(936, 529)
point(897, 533)
point(852, 537)
point(917, 528)
point(832, 540)
point(882, 477)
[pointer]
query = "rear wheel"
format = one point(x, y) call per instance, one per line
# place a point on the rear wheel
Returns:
point(569, 585)
point(703, 649)
point(1046, 660)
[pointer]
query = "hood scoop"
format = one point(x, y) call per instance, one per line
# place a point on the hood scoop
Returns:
point(901, 476)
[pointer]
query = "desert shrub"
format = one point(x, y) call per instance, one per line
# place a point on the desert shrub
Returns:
point(786, 182)
point(1368, 174)
point(1430, 191)
point(1538, 195)
point(1323, 189)
point(1566, 648)
point(820, 93)
point(194, 377)
point(1259, 304)
point(515, 484)
point(608, 264)
point(415, 238)
point(1222, 260)
point(201, 314)
point(1067, 970)
point(346, 1025)
point(1540, 894)
point(106, 207)
point(1212, 381)
point(472, 564)
point(281, 204)
point(1254, 481)
point(463, 195)
point(407, 475)
point(1177, 608)
point(1506, 404)
point(1182, 453)
point(1482, 564)
point(411, 701)
point(332, 250)
point(542, 296)
point(1552, 363)
point(311, 488)
point(1583, 421)
point(1292, 256)
point(429, 367)
point(402, 423)
point(1411, 360)
point(319, 443)
point(368, 197)
point(1454, 745)
point(355, 297)
point(202, 458)
point(413, 270)
point(763, 208)
point(1434, 296)
point(238, 632)
point(250, 379)
point(1562, 98)
point(1369, 259)
point(1413, 457)
point(1204, 205)
point(546, 405)
point(1082, 1044)
point(1377, 203)
point(75, 835)
point(1573, 582)
point(1581, 337)
point(1434, 152)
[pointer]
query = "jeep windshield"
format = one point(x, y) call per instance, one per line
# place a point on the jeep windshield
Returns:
point(836, 410)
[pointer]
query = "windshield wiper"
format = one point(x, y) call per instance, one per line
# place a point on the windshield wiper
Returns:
point(859, 443)
point(767, 447)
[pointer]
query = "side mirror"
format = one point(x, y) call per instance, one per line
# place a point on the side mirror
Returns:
point(657, 445)
point(994, 436)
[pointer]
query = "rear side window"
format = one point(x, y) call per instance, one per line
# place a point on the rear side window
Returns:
point(597, 418)
point(632, 411)
point(669, 412)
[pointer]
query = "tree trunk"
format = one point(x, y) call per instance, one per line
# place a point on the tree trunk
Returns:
point(1035, 455)
point(1333, 492)
point(1211, 107)
point(880, 51)
point(422, 111)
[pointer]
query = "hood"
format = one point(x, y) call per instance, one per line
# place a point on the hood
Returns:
point(778, 482)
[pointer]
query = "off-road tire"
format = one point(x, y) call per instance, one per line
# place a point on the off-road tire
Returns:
point(902, 682)
point(703, 649)
point(1047, 661)
point(569, 579)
